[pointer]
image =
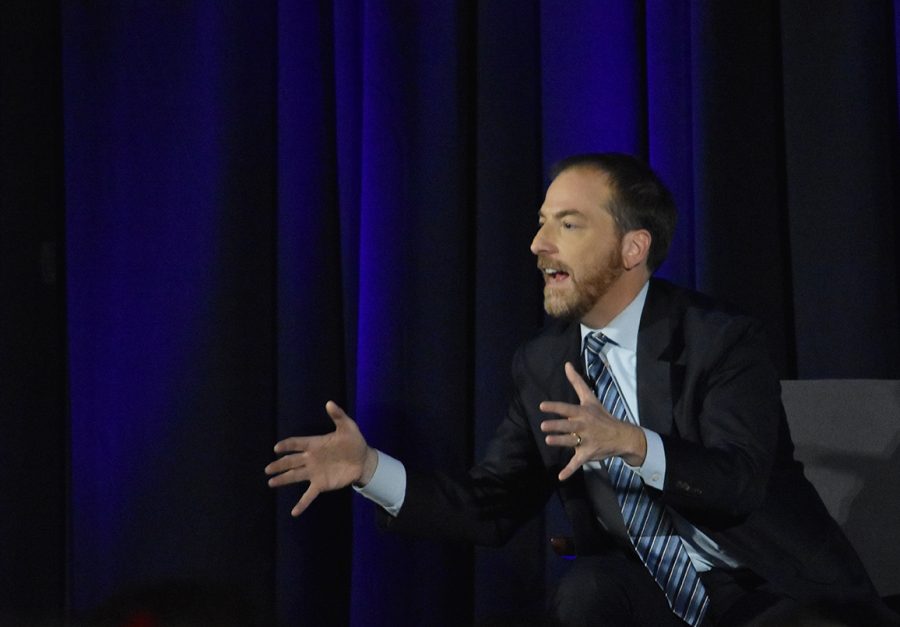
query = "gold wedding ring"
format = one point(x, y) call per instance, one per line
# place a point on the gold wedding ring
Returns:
point(577, 440)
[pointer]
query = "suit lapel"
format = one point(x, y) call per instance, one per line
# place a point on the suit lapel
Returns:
point(657, 355)
point(566, 347)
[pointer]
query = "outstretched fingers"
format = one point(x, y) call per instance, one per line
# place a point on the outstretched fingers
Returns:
point(293, 445)
point(560, 426)
point(287, 469)
point(575, 422)
point(574, 464)
point(559, 408)
point(564, 434)
point(308, 497)
point(584, 392)
point(327, 462)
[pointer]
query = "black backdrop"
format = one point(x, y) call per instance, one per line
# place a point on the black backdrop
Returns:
point(217, 215)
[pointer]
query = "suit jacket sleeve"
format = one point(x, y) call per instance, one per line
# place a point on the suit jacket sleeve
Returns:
point(485, 507)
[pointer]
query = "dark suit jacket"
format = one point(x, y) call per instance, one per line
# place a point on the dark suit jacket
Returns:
point(706, 384)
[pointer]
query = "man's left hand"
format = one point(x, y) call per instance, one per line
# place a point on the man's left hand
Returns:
point(590, 429)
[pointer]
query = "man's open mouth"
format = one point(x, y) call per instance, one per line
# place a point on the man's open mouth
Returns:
point(555, 275)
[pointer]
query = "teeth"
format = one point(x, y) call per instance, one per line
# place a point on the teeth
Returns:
point(550, 270)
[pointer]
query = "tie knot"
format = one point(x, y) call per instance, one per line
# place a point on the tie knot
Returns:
point(594, 362)
point(594, 342)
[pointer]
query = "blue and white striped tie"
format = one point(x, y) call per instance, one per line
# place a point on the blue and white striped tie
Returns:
point(649, 525)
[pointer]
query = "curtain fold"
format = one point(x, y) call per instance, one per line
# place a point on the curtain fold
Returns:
point(840, 119)
point(414, 292)
point(311, 298)
point(507, 582)
point(169, 175)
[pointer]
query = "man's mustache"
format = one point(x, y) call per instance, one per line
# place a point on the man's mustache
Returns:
point(543, 264)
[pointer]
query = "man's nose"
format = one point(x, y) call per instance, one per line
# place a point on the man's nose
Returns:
point(542, 244)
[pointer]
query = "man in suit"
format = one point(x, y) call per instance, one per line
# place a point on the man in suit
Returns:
point(655, 415)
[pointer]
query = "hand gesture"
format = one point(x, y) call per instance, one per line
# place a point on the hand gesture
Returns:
point(590, 429)
point(329, 462)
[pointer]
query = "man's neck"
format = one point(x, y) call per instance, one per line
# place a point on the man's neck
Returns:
point(617, 298)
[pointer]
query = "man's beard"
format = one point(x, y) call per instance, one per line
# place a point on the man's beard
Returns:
point(574, 304)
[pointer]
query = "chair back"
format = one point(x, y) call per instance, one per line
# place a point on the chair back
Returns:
point(847, 434)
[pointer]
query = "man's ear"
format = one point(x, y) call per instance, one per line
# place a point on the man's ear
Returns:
point(635, 248)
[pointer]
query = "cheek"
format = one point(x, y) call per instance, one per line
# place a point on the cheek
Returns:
point(590, 262)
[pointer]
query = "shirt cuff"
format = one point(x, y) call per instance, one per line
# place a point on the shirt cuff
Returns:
point(653, 470)
point(387, 487)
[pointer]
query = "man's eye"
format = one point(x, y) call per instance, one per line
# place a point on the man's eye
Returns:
point(568, 225)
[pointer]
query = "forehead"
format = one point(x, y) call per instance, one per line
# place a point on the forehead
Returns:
point(583, 189)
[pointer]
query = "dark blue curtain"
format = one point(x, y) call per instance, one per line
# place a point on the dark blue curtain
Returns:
point(170, 231)
point(253, 208)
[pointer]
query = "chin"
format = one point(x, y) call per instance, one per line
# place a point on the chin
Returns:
point(564, 309)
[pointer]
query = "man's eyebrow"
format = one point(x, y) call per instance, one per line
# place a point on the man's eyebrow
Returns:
point(562, 213)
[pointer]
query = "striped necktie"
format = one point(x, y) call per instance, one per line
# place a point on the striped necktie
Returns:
point(649, 525)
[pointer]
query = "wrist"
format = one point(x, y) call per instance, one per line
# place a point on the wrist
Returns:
point(636, 447)
point(370, 463)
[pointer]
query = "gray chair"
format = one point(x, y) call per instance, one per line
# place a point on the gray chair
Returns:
point(847, 434)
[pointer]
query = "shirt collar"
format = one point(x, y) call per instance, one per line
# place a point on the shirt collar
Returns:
point(623, 329)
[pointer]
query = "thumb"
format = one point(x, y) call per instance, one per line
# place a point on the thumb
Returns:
point(336, 414)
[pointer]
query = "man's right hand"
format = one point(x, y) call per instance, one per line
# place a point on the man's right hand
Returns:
point(329, 462)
